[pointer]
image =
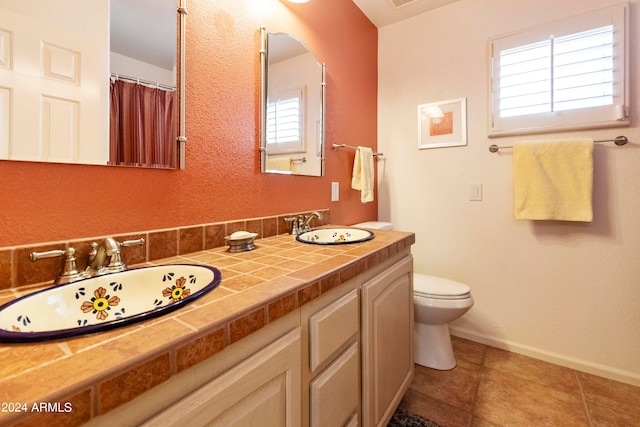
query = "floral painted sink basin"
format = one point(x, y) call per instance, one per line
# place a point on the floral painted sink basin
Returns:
point(104, 302)
point(335, 236)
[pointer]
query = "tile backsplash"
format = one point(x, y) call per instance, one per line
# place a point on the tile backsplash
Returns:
point(16, 270)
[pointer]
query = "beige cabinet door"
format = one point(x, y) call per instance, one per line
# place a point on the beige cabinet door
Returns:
point(387, 341)
point(335, 392)
point(263, 390)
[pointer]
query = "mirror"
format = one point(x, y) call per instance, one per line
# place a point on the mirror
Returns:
point(56, 57)
point(293, 107)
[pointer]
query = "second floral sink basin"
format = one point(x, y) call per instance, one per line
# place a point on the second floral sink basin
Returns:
point(104, 302)
point(335, 236)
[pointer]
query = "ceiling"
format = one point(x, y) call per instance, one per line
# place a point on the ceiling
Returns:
point(284, 46)
point(386, 12)
point(145, 30)
point(138, 20)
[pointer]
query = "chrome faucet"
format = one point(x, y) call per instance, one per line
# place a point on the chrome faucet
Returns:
point(96, 264)
point(300, 224)
point(304, 225)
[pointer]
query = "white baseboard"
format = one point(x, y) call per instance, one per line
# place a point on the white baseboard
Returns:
point(555, 358)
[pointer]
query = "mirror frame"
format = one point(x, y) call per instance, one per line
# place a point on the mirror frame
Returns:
point(263, 106)
point(182, 61)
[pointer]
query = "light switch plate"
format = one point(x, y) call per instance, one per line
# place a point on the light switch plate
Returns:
point(335, 191)
point(475, 192)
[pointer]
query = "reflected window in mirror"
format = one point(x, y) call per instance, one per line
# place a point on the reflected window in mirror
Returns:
point(285, 126)
point(292, 110)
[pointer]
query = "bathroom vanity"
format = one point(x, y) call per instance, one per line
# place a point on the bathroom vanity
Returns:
point(296, 335)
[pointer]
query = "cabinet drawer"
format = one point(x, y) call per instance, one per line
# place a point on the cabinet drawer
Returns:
point(335, 393)
point(332, 327)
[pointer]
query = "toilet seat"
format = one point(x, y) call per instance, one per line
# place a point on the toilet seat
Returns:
point(439, 287)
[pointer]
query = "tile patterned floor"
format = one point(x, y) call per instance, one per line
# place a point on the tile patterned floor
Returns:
point(494, 388)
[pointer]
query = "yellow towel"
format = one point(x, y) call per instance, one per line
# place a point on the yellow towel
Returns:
point(553, 180)
point(279, 164)
point(362, 178)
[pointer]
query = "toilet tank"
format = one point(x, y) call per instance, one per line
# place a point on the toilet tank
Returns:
point(376, 225)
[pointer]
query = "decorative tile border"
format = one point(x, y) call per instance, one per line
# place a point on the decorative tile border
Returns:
point(16, 270)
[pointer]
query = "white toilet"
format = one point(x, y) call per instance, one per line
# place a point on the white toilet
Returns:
point(437, 301)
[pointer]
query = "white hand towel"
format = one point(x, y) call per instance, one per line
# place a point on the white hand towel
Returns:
point(363, 173)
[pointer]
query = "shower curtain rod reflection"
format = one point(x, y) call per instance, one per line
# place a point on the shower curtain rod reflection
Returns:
point(619, 140)
point(117, 76)
point(336, 146)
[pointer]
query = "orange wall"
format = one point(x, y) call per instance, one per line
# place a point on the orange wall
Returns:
point(48, 202)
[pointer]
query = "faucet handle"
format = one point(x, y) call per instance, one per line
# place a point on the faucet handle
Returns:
point(136, 242)
point(294, 221)
point(69, 272)
point(35, 256)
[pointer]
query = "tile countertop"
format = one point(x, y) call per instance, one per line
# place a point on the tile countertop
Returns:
point(88, 376)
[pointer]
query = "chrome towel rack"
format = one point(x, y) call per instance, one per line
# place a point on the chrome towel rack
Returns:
point(336, 146)
point(619, 140)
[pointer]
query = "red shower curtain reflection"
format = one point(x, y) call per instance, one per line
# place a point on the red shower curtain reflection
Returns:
point(142, 125)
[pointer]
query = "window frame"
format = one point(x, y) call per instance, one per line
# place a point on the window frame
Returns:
point(614, 115)
point(289, 147)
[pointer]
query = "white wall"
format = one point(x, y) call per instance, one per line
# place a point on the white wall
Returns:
point(133, 67)
point(564, 292)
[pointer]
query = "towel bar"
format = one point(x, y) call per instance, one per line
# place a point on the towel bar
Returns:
point(336, 146)
point(619, 140)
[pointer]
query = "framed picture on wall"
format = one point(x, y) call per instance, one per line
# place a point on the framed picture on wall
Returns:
point(442, 124)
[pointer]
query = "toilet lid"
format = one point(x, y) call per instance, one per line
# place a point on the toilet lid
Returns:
point(439, 287)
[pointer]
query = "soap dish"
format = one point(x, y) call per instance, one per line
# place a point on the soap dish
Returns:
point(241, 241)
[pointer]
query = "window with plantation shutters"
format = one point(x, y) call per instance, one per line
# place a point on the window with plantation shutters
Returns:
point(569, 74)
point(284, 122)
